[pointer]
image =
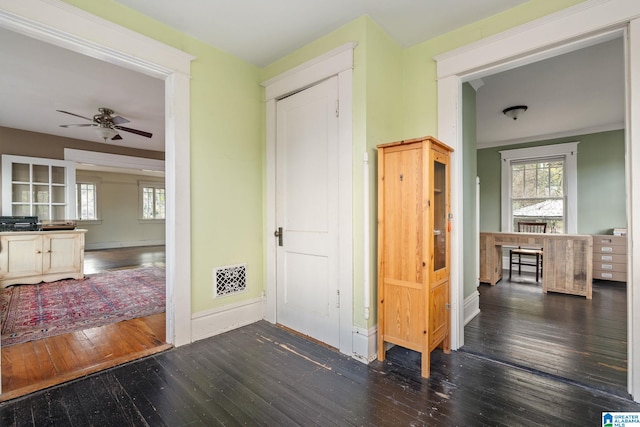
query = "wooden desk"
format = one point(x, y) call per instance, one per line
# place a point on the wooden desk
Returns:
point(567, 259)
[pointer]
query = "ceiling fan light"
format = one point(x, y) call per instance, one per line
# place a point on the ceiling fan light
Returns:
point(515, 111)
point(106, 132)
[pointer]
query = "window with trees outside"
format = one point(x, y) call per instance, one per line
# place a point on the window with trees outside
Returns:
point(87, 201)
point(537, 193)
point(539, 184)
point(152, 200)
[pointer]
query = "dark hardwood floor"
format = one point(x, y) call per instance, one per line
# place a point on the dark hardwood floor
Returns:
point(98, 260)
point(570, 337)
point(263, 375)
point(39, 364)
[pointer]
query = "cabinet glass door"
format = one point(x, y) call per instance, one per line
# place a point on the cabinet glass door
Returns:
point(38, 187)
point(439, 215)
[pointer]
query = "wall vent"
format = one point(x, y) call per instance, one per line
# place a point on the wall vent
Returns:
point(229, 280)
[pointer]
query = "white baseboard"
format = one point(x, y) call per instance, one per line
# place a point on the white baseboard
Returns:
point(471, 306)
point(113, 245)
point(205, 324)
point(365, 344)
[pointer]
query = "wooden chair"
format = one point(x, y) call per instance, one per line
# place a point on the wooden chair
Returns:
point(524, 256)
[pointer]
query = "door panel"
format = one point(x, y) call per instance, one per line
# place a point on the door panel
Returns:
point(307, 211)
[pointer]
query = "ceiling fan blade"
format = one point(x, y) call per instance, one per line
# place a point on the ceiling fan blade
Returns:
point(118, 120)
point(79, 125)
point(74, 114)
point(136, 131)
point(117, 137)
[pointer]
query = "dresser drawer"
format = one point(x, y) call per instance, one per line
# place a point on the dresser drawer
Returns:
point(610, 266)
point(610, 275)
point(610, 257)
point(608, 240)
point(609, 249)
point(605, 257)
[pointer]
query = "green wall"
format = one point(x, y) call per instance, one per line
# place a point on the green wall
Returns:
point(394, 97)
point(227, 117)
point(601, 182)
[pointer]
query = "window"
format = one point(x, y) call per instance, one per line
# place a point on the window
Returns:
point(537, 193)
point(539, 184)
point(152, 200)
point(87, 201)
point(33, 186)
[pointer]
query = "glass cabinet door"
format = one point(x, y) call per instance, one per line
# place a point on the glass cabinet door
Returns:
point(439, 215)
point(38, 187)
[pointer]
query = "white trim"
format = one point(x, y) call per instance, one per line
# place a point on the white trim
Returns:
point(573, 27)
point(365, 348)
point(218, 320)
point(587, 22)
point(60, 24)
point(114, 160)
point(324, 66)
point(452, 135)
point(471, 307)
point(569, 152)
point(633, 204)
point(337, 62)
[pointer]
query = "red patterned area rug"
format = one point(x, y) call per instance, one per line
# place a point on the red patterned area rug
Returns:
point(32, 312)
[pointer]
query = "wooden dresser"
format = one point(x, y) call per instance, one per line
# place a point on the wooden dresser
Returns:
point(610, 257)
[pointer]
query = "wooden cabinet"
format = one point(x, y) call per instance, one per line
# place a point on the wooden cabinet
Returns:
point(610, 257)
point(28, 257)
point(413, 246)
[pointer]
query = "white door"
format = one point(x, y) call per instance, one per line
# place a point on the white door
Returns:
point(307, 212)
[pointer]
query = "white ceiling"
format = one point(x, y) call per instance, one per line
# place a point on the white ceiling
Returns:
point(260, 31)
point(575, 93)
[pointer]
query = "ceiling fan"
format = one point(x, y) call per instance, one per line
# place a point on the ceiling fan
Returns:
point(107, 124)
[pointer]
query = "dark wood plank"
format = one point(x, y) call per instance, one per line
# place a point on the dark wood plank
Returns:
point(584, 341)
point(263, 375)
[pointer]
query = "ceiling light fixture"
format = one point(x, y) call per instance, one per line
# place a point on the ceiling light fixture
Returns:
point(105, 132)
point(515, 111)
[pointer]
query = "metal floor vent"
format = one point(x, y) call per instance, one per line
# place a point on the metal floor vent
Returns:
point(229, 280)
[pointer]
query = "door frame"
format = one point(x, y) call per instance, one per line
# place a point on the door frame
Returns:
point(63, 25)
point(337, 62)
point(565, 31)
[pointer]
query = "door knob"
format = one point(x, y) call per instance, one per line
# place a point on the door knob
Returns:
point(278, 234)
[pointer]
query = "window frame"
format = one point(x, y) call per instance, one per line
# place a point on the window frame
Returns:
point(156, 185)
point(95, 181)
point(568, 152)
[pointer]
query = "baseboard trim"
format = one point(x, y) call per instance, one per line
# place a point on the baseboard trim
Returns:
point(365, 344)
point(205, 324)
point(114, 245)
point(471, 306)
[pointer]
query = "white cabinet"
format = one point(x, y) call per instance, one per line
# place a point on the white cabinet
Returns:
point(29, 257)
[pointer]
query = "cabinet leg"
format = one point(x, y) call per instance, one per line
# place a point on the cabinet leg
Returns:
point(426, 363)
